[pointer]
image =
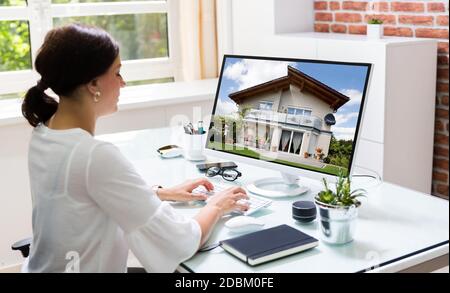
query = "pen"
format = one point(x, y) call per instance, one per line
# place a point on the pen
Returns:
point(200, 127)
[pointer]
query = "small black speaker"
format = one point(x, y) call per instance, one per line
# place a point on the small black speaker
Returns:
point(304, 211)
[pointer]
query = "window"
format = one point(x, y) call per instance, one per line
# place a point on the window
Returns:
point(265, 105)
point(299, 111)
point(290, 142)
point(145, 30)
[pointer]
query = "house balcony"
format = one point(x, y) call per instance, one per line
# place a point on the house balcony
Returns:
point(277, 117)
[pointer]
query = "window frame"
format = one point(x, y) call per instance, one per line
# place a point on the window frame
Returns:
point(300, 109)
point(40, 14)
point(266, 103)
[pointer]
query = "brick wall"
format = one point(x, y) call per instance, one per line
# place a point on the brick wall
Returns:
point(405, 18)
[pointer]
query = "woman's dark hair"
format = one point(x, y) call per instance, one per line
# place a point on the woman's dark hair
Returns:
point(70, 56)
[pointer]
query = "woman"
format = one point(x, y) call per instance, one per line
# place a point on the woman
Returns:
point(90, 206)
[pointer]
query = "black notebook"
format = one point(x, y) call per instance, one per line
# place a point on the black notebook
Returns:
point(269, 244)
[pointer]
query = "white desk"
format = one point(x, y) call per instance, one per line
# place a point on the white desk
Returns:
point(397, 228)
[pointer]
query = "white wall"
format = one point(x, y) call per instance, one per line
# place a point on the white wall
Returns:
point(293, 16)
point(257, 23)
point(15, 204)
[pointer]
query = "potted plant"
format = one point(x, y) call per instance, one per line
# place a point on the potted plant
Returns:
point(319, 155)
point(306, 155)
point(374, 28)
point(338, 210)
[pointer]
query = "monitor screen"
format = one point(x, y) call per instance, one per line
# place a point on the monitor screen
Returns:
point(299, 113)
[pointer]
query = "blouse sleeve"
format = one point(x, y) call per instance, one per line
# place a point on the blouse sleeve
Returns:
point(158, 236)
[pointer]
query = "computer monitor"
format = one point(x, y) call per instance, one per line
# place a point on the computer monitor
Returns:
point(300, 117)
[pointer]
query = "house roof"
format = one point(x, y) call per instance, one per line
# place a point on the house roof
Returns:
point(305, 82)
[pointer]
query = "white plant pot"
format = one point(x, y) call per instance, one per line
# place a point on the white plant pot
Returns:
point(374, 31)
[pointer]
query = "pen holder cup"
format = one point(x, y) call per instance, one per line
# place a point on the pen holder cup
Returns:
point(194, 145)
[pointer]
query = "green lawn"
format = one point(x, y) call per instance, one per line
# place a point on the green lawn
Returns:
point(330, 169)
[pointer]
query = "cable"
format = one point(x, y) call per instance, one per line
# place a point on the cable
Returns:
point(209, 247)
point(364, 175)
point(377, 176)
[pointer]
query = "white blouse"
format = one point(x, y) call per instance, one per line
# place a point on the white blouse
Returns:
point(90, 207)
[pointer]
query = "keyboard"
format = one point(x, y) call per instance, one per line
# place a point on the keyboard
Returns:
point(256, 203)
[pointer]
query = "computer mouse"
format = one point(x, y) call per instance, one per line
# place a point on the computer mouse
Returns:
point(241, 224)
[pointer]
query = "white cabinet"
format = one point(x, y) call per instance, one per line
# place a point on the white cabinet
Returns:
point(398, 128)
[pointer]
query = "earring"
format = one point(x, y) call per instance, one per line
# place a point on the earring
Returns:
point(96, 96)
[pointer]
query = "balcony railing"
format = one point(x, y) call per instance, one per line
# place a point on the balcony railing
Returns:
point(298, 120)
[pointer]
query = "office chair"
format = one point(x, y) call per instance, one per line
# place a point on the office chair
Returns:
point(23, 245)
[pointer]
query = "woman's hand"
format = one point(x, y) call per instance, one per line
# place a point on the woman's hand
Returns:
point(218, 205)
point(229, 200)
point(183, 192)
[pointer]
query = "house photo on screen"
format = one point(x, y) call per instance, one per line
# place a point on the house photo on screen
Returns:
point(301, 113)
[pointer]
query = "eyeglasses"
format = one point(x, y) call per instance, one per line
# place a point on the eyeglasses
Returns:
point(227, 174)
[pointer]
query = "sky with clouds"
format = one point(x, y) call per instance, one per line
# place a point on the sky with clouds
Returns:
point(239, 74)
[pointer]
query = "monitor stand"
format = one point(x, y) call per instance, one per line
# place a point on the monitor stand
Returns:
point(285, 186)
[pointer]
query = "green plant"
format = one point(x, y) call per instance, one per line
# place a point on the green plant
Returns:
point(15, 49)
point(375, 21)
point(340, 152)
point(343, 196)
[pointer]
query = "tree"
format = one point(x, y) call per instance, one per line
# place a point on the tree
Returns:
point(140, 35)
point(340, 151)
point(14, 42)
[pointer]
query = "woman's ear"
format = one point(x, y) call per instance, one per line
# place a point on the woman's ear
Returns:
point(92, 86)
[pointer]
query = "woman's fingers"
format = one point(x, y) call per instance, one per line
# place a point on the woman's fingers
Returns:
point(239, 196)
point(240, 201)
point(242, 206)
point(205, 182)
point(238, 189)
